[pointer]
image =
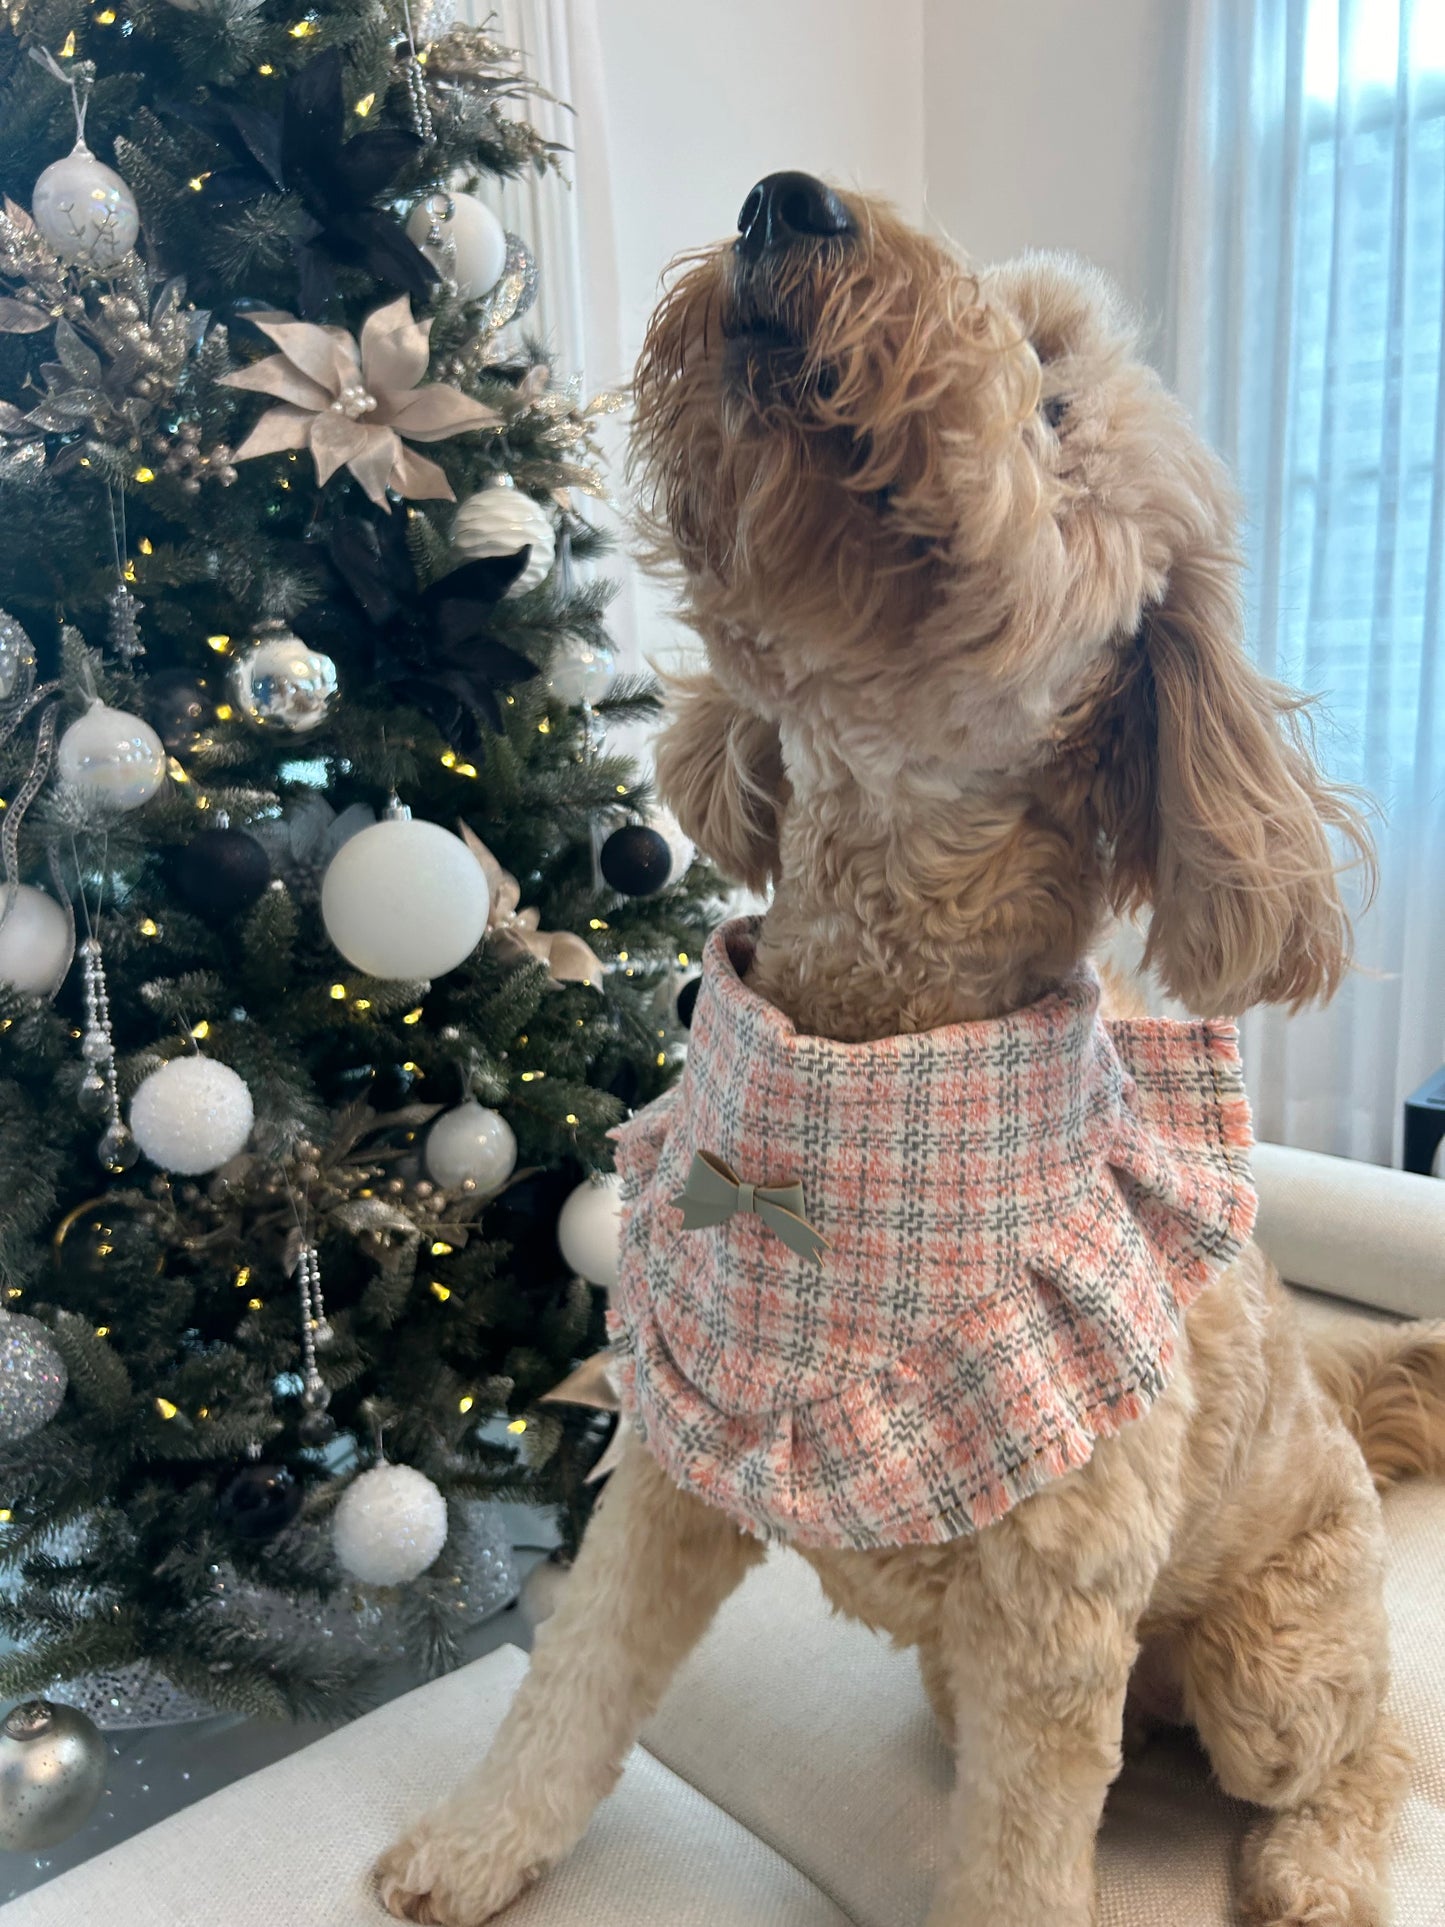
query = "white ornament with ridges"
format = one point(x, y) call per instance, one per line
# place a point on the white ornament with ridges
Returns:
point(589, 1230)
point(85, 210)
point(499, 521)
point(472, 246)
point(405, 899)
point(192, 1115)
point(35, 941)
point(473, 1142)
point(112, 757)
point(390, 1525)
point(32, 1377)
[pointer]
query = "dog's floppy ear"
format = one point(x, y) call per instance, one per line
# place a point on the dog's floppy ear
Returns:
point(720, 770)
point(1217, 814)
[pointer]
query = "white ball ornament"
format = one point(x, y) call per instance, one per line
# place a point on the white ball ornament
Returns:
point(589, 1230)
point(471, 1142)
point(499, 521)
point(192, 1115)
point(112, 757)
point(389, 1526)
point(35, 941)
point(581, 672)
point(405, 899)
point(85, 210)
point(463, 240)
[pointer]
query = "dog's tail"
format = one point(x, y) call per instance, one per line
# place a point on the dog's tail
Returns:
point(1390, 1390)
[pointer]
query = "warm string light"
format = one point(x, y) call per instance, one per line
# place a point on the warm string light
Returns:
point(518, 1426)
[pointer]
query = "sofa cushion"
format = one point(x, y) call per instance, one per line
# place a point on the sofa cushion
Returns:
point(292, 1846)
point(815, 1735)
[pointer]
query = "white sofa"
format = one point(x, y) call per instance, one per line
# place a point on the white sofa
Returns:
point(793, 1777)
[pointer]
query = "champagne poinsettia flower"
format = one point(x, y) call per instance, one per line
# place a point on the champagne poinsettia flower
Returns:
point(352, 403)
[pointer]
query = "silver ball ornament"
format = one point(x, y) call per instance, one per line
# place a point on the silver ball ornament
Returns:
point(390, 1525)
point(499, 521)
point(405, 899)
point(112, 757)
point(36, 941)
point(33, 1377)
point(85, 210)
point(589, 1230)
point(53, 1765)
point(192, 1115)
point(472, 1143)
point(17, 658)
point(279, 683)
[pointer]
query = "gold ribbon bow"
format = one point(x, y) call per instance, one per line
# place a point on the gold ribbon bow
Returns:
point(714, 1193)
point(568, 959)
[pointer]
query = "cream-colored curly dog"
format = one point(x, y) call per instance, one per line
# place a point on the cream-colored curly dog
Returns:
point(967, 583)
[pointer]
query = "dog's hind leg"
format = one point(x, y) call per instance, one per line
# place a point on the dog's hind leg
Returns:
point(1285, 1681)
point(653, 1569)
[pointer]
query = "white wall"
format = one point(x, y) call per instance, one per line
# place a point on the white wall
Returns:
point(1053, 123)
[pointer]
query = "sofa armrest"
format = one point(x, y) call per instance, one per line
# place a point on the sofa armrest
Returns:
point(1356, 1231)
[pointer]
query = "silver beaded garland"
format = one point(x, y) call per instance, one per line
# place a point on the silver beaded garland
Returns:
point(316, 1425)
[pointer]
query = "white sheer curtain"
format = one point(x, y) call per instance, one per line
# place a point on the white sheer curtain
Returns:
point(1310, 323)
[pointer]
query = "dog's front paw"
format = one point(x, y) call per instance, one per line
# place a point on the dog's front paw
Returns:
point(449, 1873)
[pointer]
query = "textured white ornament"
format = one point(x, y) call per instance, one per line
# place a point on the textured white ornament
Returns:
point(581, 671)
point(113, 757)
point(472, 250)
point(192, 1115)
point(85, 210)
point(279, 683)
point(499, 521)
point(471, 1142)
point(390, 1525)
point(35, 942)
point(405, 899)
point(32, 1377)
point(589, 1230)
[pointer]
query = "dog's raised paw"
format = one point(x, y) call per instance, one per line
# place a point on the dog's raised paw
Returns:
point(448, 1880)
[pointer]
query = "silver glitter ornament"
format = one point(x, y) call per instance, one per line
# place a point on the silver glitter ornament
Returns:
point(32, 1377)
point(17, 659)
point(281, 684)
point(52, 1772)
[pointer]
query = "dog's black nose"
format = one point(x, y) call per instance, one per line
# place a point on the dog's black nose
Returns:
point(787, 208)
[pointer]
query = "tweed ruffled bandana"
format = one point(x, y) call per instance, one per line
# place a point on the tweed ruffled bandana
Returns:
point(1012, 1215)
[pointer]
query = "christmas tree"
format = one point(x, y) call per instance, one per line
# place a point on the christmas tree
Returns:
point(294, 1085)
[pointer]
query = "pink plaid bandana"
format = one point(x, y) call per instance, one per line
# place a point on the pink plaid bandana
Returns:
point(1017, 1213)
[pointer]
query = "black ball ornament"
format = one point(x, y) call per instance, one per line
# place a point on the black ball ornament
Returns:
point(687, 1001)
point(179, 709)
point(636, 860)
point(258, 1501)
point(219, 873)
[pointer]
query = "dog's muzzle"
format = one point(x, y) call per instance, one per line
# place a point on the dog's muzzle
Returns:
point(787, 209)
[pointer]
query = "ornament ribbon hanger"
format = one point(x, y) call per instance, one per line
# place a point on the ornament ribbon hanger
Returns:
point(79, 79)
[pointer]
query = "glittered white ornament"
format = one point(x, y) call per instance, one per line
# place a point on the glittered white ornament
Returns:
point(389, 1526)
point(35, 941)
point(589, 1230)
point(405, 899)
point(499, 521)
point(53, 1763)
point(280, 683)
point(192, 1115)
point(32, 1377)
point(471, 1142)
point(581, 671)
point(85, 210)
point(112, 757)
point(470, 247)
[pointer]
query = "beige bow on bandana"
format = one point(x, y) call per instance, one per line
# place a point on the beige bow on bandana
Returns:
point(714, 1193)
point(568, 959)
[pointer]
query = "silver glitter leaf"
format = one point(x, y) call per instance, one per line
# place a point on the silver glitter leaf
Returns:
point(19, 318)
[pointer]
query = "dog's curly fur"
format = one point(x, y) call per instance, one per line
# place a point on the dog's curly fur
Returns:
point(967, 584)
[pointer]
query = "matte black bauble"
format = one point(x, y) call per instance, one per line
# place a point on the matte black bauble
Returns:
point(687, 1001)
point(384, 1086)
point(219, 873)
point(179, 709)
point(636, 860)
point(258, 1501)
